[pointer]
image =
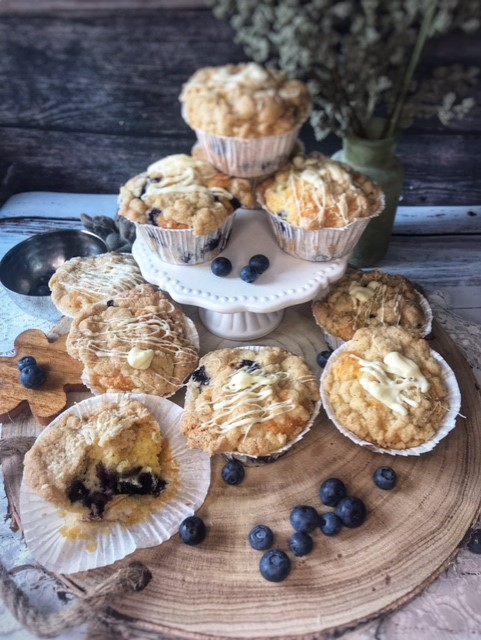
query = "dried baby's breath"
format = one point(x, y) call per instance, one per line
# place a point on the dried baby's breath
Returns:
point(358, 57)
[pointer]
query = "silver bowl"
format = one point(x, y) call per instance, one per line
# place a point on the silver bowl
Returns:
point(26, 269)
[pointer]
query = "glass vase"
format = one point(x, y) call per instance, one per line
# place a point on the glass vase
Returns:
point(376, 158)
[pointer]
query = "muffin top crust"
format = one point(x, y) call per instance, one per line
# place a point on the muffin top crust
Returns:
point(370, 299)
point(183, 192)
point(80, 282)
point(248, 401)
point(244, 101)
point(313, 192)
point(387, 388)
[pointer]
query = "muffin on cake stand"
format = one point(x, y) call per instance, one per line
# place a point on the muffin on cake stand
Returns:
point(229, 307)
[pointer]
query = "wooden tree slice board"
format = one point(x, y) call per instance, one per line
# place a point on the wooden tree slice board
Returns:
point(215, 590)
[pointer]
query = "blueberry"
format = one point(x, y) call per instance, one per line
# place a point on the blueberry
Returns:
point(332, 491)
point(221, 267)
point(323, 357)
point(200, 376)
point(351, 511)
point(474, 542)
point(26, 361)
point(301, 543)
point(233, 472)
point(304, 518)
point(259, 263)
point(261, 537)
point(250, 365)
point(275, 565)
point(248, 274)
point(330, 524)
point(192, 530)
point(32, 376)
point(385, 478)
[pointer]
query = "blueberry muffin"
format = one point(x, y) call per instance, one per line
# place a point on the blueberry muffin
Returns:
point(252, 401)
point(244, 101)
point(137, 341)
point(102, 465)
point(317, 207)
point(246, 117)
point(80, 282)
point(371, 299)
point(183, 207)
point(387, 388)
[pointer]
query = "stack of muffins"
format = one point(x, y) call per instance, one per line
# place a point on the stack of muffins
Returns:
point(247, 119)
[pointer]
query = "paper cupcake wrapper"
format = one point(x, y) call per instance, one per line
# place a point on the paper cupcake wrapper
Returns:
point(449, 422)
point(192, 335)
point(334, 342)
point(181, 246)
point(321, 245)
point(251, 460)
point(42, 521)
point(247, 157)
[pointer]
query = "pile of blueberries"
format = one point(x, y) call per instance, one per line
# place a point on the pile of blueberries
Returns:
point(249, 273)
point(32, 375)
point(275, 564)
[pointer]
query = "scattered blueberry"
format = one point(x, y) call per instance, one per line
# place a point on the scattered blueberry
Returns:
point(301, 543)
point(351, 511)
point(250, 365)
point(474, 542)
point(304, 518)
point(233, 472)
point(332, 491)
point(192, 530)
point(275, 565)
point(330, 524)
point(259, 263)
point(26, 361)
point(221, 267)
point(385, 478)
point(248, 274)
point(323, 357)
point(200, 376)
point(32, 376)
point(261, 537)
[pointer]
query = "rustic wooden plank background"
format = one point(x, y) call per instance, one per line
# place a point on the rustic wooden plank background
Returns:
point(90, 97)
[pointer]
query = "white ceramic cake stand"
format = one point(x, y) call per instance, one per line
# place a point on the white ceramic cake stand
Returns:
point(229, 307)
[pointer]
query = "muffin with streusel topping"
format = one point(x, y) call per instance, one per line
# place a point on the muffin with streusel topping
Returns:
point(255, 401)
point(246, 117)
point(388, 389)
point(183, 207)
point(371, 299)
point(138, 341)
point(318, 208)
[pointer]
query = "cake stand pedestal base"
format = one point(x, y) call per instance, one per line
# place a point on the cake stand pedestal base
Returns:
point(243, 325)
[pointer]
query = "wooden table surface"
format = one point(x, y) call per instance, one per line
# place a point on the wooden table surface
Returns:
point(90, 97)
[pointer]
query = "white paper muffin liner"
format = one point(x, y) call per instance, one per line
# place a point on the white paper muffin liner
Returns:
point(247, 157)
point(42, 521)
point(319, 245)
point(334, 342)
point(181, 246)
point(251, 460)
point(192, 335)
point(453, 399)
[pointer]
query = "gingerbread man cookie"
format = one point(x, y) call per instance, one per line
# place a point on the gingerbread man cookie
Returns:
point(62, 374)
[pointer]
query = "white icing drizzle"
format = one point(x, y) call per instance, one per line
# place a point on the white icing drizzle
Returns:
point(387, 380)
point(251, 74)
point(249, 395)
point(181, 173)
point(113, 278)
